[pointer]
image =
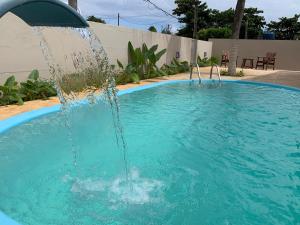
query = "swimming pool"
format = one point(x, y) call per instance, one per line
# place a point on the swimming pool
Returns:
point(197, 155)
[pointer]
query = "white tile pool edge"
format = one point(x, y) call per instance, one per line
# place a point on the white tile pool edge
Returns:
point(9, 123)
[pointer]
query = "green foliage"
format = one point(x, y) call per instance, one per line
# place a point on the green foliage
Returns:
point(224, 19)
point(175, 67)
point(9, 92)
point(144, 59)
point(208, 33)
point(142, 65)
point(207, 62)
point(185, 12)
point(285, 28)
point(152, 29)
point(35, 88)
point(89, 79)
point(221, 18)
point(96, 19)
point(212, 18)
point(256, 23)
point(128, 74)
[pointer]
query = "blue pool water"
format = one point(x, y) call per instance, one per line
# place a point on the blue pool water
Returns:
point(197, 155)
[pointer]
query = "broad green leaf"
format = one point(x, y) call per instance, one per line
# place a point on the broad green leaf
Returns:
point(34, 75)
point(153, 48)
point(139, 57)
point(131, 53)
point(11, 81)
point(160, 54)
point(120, 64)
point(144, 48)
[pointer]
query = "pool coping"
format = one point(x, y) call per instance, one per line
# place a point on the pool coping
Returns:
point(22, 118)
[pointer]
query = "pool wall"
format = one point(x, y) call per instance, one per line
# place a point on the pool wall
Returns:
point(7, 124)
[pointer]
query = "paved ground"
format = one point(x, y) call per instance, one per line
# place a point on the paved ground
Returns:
point(290, 78)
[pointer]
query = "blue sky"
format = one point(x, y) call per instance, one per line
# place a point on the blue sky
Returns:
point(138, 14)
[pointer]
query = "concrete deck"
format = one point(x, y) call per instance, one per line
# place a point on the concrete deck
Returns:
point(289, 78)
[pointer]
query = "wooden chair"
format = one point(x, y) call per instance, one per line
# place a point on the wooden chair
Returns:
point(225, 59)
point(266, 61)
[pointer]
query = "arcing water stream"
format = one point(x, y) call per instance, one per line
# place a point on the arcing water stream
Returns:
point(93, 81)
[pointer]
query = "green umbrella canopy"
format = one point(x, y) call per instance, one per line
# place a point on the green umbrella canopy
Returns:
point(43, 13)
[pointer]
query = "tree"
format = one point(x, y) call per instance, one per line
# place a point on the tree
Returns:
point(223, 32)
point(285, 28)
point(73, 4)
point(221, 18)
point(254, 22)
point(185, 12)
point(238, 16)
point(96, 19)
point(166, 30)
point(152, 29)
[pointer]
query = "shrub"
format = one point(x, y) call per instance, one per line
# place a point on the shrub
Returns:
point(144, 59)
point(141, 64)
point(175, 67)
point(127, 74)
point(207, 62)
point(35, 88)
point(10, 93)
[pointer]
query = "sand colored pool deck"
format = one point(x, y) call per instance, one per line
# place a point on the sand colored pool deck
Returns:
point(290, 78)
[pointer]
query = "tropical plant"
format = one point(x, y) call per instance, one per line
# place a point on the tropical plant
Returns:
point(9, 92)
point(144, 59)
point(238, 16)
point(175, 67)
point(207, 61)
point(127, 75)
point(35, 88)
point(142, 64)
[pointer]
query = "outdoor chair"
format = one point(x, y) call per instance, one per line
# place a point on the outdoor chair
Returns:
point(225, 59)
point(266, 61)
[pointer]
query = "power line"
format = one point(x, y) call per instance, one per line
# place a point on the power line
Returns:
point(146, 24)
point(127, 16)
point(159, 8)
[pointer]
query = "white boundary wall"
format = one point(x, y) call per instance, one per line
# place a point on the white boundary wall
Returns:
point(20, 50)
point(288, 52)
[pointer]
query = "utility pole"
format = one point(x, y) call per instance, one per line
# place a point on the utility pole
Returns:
point(118, 19)
point(194, 41)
